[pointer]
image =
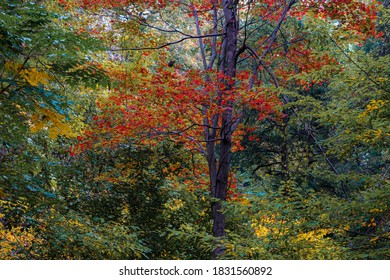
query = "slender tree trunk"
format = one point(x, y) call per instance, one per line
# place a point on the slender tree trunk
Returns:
point(219, 171)
point(284, 150)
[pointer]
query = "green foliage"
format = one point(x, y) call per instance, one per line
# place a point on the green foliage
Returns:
point(312, 182)
point(77, 236)
point(332, 150)
point(288, 224)
point(40, 60)
point(37, 89)
point(303, 224)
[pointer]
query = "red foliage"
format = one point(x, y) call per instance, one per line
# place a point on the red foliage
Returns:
point(351, 14)
point(146, 107)
point(169, 104)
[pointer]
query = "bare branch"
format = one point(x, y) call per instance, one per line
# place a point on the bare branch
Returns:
point(214, 40)
point(201, 46)
point(272, 37)
point(166, 44)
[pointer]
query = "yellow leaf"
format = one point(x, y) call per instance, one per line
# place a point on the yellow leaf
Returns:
point(35, 77)
point(374, 239)
point(55, 123)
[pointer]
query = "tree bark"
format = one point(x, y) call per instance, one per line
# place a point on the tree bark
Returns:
point(219, 172)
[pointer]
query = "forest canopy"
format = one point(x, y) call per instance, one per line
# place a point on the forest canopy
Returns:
point(217, 129)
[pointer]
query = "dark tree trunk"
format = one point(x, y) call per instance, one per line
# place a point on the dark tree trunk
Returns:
point(219, 163)
point(219, 172)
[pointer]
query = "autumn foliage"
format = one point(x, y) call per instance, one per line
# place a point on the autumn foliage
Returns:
point(194, 129)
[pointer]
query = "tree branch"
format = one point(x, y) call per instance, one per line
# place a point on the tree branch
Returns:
point(166, 44)
point(201, 46)
point(357, 65)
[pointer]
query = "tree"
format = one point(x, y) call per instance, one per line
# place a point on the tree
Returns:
point(237, 129)
point(41, 65)
point(204, 108)
point(336, 137)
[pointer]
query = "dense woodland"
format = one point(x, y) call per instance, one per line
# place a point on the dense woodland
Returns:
point(168, 129)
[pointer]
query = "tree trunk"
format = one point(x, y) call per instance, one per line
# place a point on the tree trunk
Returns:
point(219, 172)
